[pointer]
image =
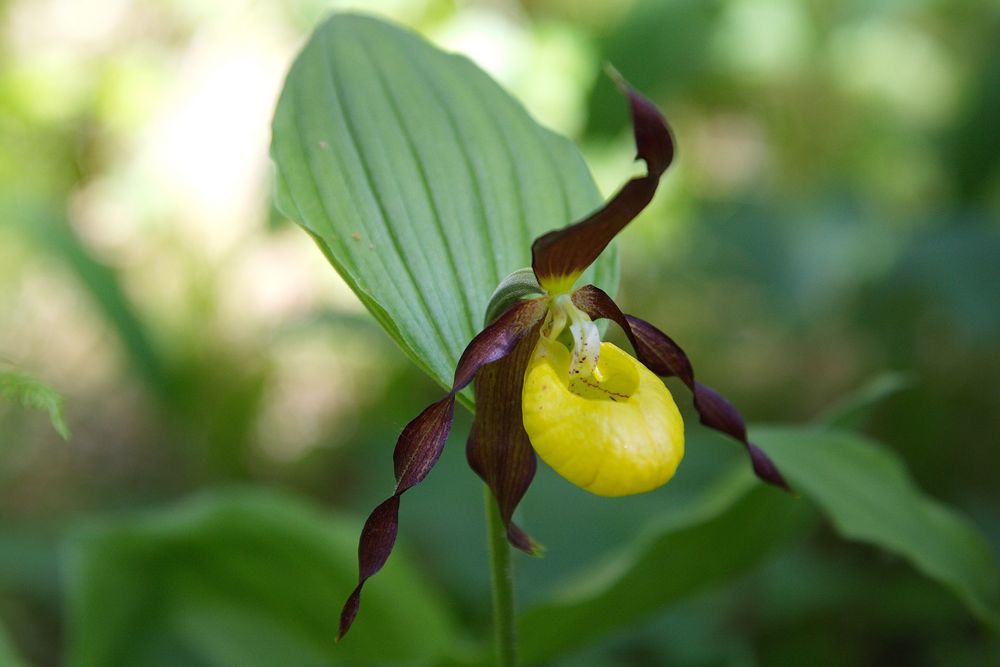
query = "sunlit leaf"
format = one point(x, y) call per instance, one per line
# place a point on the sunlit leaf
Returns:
point(243, 578)
point(422, 181)
point(868, 495)
point(32, 393)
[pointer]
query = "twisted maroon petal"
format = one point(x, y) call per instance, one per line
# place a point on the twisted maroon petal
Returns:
point(498, 448)
point(377, 539)
point(417, 450)
point(420, 444)
point(568, 251)
point(498, 339)
point(660, 354)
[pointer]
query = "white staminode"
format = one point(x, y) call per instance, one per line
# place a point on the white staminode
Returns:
point(586, 336)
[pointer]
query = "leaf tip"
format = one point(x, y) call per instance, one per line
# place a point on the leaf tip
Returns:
point(616, 77)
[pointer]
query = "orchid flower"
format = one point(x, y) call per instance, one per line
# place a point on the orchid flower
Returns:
point(546, 384)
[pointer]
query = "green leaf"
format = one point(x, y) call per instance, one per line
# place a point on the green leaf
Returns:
point(855, 408)
point(862, 488)
point(868, 495)
point(733, 526)
point(8, 655)
point(422, 181)
point(241, 578)
point(49, 230)
point(33, 393)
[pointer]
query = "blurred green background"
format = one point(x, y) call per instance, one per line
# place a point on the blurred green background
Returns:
point(833, 219)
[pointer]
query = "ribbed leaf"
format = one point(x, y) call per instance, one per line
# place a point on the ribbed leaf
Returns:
point(236, 579)
point(422, 181)
point(868, 495)
point(859, 486)
point(732, 527)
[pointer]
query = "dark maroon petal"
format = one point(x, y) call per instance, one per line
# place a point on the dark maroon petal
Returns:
point(377, 539)
point(498, 339)
point(657, 350)
point(716, 408)
point(598, 305)
point(498, 448)
point(420, 444)
point(718, 413)
point(660, 354)
point(570, 250)
point(765, 468)
point(523, 541)
point(417, 450)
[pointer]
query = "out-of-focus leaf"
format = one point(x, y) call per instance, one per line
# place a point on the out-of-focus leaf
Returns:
point(422, 181)
point(852, 412)
point(971, 145)
point(730, 528)
point(51, 232)
point(243, 578)
point(28, 561)
point(867, 494)
point(949, 273)
point(8, 656)
point(662, 47)
point(862, 488)
point(31, 392)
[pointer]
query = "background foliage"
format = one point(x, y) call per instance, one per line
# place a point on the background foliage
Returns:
point(832, 217)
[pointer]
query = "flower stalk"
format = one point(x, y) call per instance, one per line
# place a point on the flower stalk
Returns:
point(502, 583)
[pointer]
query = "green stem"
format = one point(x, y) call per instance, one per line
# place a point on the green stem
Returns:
point(503, 584)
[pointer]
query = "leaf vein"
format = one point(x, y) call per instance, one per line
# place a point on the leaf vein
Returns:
point(383, 214)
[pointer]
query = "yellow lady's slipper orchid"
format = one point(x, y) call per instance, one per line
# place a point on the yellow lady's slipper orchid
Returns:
point(601, 418)
point(616, 436)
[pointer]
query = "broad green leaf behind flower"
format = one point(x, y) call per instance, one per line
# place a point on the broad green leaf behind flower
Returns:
point(238, 577)
point(869, 496)
point(855, 483)
point(421, 180)
point(729, 527)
